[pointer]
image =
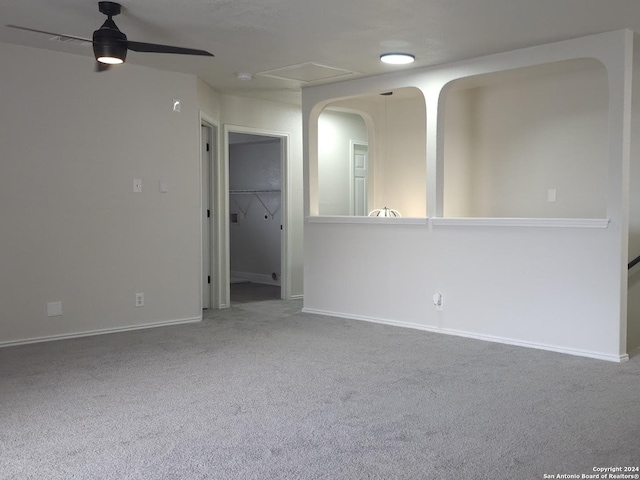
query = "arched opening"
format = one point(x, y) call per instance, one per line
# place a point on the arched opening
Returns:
point(528, 143)
point(371, 154)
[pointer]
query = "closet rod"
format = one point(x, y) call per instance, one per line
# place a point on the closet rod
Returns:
point(238, 192)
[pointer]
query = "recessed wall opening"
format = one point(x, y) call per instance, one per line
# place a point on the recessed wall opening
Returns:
point(372, 154)
point(528, 143)
point(344, 170)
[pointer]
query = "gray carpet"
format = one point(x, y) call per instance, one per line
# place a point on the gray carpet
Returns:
point(261, 391)
point(246, 292)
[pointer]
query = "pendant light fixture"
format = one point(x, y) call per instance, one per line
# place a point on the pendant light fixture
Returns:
point(384, 212)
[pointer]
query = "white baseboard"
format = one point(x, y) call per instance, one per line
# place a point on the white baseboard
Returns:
point(297, 297)
point(104, 331)
point(255, 278)
point(488, 338)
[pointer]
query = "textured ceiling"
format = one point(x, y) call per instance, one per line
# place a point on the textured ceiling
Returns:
point(257, 36)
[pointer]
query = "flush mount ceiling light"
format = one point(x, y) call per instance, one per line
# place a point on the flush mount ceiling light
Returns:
point(397, 58)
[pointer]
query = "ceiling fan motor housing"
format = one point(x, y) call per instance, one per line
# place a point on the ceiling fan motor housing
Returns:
point(109, 41)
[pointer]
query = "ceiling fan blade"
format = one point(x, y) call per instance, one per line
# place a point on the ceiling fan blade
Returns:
point(63, 35)
point(155, 48)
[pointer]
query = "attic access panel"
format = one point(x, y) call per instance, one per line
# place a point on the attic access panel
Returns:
point(307, 72)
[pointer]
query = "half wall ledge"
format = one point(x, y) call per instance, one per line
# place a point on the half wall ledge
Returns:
point(593, 223)
point(522, 222)
point(369, 220)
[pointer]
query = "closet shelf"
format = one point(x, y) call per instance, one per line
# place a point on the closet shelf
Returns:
point(241, 192)
point(256, 193)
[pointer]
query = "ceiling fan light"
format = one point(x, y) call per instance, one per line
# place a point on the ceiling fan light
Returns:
point(111, 53)
point(110, 60)
point(397, 58)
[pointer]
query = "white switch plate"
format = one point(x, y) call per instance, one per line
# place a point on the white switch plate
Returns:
point(551, 195)
point(164, 187)
point(438, 301)
point(139, 299)
point(54, 309)
point(137, 185)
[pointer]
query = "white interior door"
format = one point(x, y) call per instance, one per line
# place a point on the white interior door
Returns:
point(359, 162)
point(206, 215)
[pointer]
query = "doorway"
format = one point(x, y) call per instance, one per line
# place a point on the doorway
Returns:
point(256, 216)
point(359, 167)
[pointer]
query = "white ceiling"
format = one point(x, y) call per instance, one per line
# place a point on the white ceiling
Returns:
point(260, 35)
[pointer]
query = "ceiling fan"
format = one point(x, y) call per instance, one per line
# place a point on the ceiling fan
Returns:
point(110, 45)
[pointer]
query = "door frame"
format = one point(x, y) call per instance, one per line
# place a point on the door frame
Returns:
point(213, 225)
point(285, 240)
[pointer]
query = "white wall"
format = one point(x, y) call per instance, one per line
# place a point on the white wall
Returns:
point(405, 172)
point(458, 152)
point(282, 118)
point(633, 316)
point(544, 283)
point(208, 101)
point(498, 284)
point(72, 141)
point(255, 238)
point(633, 312)
point(526, 136)
point(336, 131)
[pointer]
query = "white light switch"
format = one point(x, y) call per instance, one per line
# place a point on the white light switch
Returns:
point(164, 187)
point(438, 302)
point(137, 185)
point(176, 105)
point(551, 195)
point(54, 309)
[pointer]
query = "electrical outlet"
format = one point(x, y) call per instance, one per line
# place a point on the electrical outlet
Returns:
point(139, 299)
